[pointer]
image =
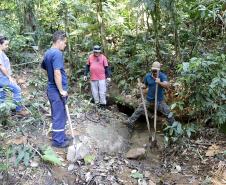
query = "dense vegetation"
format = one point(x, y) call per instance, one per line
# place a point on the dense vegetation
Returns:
point(187, 36)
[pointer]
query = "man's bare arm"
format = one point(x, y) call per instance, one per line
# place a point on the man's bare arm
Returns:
point(6, 73)
point(4, 70)
point(58, 81)
point(163, 84)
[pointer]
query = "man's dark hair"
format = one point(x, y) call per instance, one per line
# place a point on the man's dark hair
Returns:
point(3, 39)
point(59, 35)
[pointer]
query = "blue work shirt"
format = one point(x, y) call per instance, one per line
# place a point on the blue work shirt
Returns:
point(149, 81)
point(4, 60)
point(53, 60)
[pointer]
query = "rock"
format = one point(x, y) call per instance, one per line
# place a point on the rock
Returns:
point(81, 151)
point(151, 182)
point(77, 152)
point(1, 176)
point(106, 158)
point(176, 169)
point(34, 164)
point(141, 182)
point(135, 153)
point(88, 176)
point(71, 167)
point(147, 174)
point(71, 153)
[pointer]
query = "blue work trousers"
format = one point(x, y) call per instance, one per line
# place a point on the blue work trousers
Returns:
point(59, 116)
point(14, 88)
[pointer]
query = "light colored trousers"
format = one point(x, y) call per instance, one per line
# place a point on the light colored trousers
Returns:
point(14, 88)
point(98, 88)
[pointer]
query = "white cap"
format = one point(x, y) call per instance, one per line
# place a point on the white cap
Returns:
point(156, 66)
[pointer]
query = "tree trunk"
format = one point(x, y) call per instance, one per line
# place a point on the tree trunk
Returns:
point(67, 30)
point(26, 15)
point(176, 36)
point(101, 26)
point(155, 15)
point(29, 18)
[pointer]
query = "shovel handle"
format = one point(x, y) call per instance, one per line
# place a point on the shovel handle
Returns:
point(69, 120)
point(156, 104)
point(144, 105)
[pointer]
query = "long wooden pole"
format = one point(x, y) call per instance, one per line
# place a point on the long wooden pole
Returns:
point(156, 104)
point(145, 108)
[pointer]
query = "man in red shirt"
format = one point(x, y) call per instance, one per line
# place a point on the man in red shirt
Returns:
point(97, 65)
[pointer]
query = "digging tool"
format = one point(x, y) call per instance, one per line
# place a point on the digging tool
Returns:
point(71, 149)
point(145, 109)
point(154, 141)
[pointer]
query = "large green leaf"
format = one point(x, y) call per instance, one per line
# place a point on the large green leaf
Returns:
point(51, 156)
point(89, 159)
point(3, 167)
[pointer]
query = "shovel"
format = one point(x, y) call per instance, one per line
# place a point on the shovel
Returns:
point(154, 141)
point(71, 149)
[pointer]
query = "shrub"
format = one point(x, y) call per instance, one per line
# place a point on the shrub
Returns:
point(204, 81)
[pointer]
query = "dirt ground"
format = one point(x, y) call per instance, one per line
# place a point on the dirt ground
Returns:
point(196, 160)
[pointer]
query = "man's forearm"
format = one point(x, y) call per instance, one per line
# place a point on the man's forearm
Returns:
point(87, 69)
point(58, 80)
point(164, 84)
point(4, 71)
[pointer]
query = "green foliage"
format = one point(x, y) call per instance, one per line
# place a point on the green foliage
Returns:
point(204, 82)
point(22, 153)
point(5, 108)
point(50, 156)
point(89, 159)
point(137, 175)
point(175, 132)
point(3, 167)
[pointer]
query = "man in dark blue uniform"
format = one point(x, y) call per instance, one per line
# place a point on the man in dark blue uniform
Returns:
point(53, 63)
point(150, 81)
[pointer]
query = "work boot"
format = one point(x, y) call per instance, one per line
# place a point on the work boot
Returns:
point(103, 106)
point(130, 128)
point(68, 138)
point(22, 113)
point(64, 145)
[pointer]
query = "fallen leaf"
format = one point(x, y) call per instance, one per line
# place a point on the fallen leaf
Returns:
point(212, 151)
point(137, 175)
point(21, 81)
point(18, 140)
point(151, 182)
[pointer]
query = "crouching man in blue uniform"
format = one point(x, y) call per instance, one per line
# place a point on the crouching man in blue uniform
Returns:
point(53, 63)
point(150, 81)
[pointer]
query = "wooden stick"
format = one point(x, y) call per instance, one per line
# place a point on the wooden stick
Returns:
point(156, 104)
point(145, 108)
point(69, 121)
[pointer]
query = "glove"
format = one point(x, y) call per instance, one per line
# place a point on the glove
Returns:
point(85, 78)
point(108, 80)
